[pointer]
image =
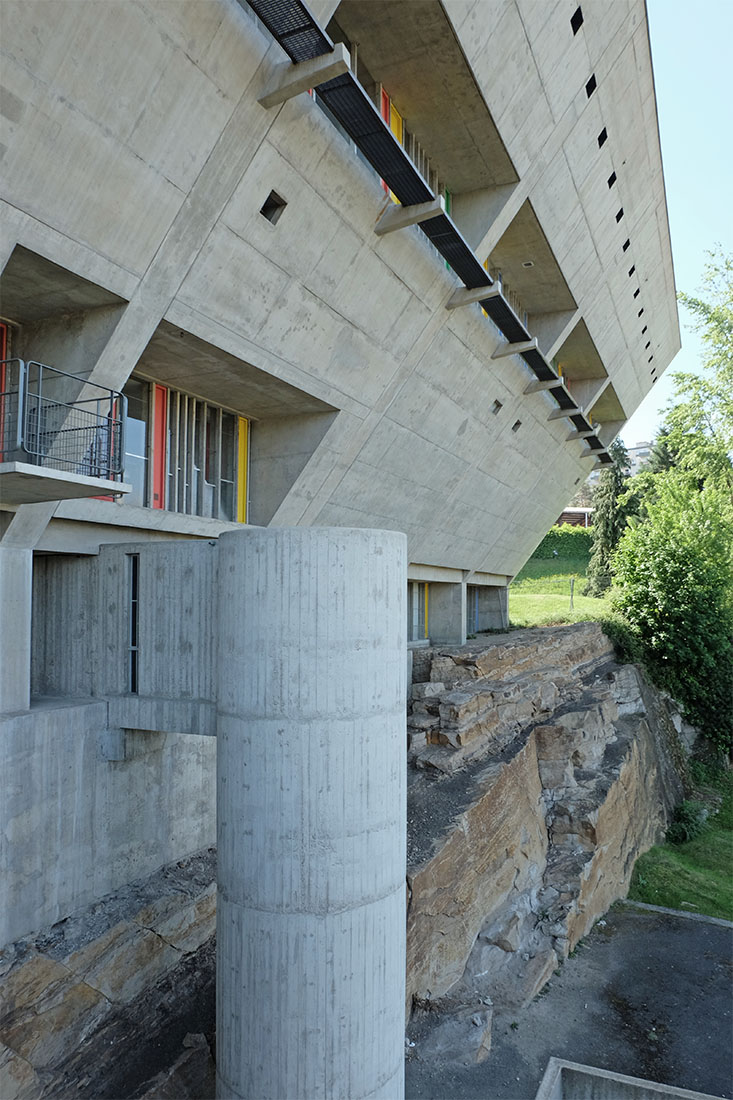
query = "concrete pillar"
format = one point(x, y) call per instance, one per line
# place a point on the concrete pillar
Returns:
point(311, 814)
point(447, 613)
point(16, 584)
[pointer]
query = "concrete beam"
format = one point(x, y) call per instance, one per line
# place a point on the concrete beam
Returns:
point(311, 813)
point(546, 384)
point(609, 431)
point(575, 434)
point(466, 296)
point(553, 329)
point(559, 414)
point(516, 349)
point(399, 217)
point(290, 80)
point(590, 452)
point(587, 391)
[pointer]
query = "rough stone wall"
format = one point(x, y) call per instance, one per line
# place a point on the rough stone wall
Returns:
point(95, 1004)
point(541, 769)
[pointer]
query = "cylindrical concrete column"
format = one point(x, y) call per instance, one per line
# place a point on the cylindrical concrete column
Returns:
point(311, 814)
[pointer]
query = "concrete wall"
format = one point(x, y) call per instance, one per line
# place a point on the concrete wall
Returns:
point(317, 301)
point(77, 826)
point(81, 622)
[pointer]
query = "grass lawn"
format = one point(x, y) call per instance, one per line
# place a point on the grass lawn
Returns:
point(540, 593)
point(696, 876)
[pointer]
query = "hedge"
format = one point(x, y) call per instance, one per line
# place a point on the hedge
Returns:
point(569, 541)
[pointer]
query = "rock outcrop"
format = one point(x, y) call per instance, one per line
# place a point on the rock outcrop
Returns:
point(97, 1003)
point(540, 770)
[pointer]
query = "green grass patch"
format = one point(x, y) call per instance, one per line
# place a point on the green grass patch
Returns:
point(544, 609)
point(540, 594)
point(697, 876)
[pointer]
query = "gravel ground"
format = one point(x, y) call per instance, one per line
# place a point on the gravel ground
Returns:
point(648, 993)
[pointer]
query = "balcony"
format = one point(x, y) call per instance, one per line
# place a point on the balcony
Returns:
point(61, 437)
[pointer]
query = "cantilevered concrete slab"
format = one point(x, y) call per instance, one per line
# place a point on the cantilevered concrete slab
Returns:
point(24, 483)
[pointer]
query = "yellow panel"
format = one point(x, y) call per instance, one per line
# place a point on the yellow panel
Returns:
point(242, 470)
point(395, 122)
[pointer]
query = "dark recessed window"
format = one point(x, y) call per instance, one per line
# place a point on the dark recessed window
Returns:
point(527, 263)
point(650, 359)
point(648, 344)
point(640, 312)
point(602, 137)
point(637, 292)
point(620, 214)
point(626, 244)
point(644, 329)
point(273, 207)
point(632, 269)
point(516, 425)
point(576, 21)
point(653, 381)
point(591, 86)
point(611, 179)
point(496, 407)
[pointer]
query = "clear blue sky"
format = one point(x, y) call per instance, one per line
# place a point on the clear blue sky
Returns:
point(692, 53)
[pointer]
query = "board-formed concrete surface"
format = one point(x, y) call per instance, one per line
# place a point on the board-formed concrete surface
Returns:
point(647, 994)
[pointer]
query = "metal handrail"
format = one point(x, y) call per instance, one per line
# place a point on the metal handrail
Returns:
point(85, 435)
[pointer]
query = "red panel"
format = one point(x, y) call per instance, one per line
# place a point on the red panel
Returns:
point(160, 428)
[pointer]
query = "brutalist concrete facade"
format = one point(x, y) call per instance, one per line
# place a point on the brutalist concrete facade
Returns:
point(294, 348)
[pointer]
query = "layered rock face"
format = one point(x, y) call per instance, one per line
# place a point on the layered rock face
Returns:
point(93, 1006)
point(540, 770)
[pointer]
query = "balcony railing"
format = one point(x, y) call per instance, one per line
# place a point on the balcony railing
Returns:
point(60, 421)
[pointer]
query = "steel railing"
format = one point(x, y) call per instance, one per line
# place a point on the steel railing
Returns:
point(58, 420)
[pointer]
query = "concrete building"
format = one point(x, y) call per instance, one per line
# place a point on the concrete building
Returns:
point(416, 281)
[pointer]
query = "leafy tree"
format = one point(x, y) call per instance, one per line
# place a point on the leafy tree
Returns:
point(609, 520)
point(663, 456)
point(699, 420)
point(674, 587)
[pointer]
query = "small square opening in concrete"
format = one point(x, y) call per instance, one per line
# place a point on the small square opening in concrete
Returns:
point(273, 207)
point(496, 407)
point(619, 214)
point(611, 180)
point(644, 329)
point(647, 345)
point(626, 244)
point(632, 269)
point(591, 86)
point(576, 21)
point(637, 292)
point(640, 312)
point(516, 425)
point(602, 137)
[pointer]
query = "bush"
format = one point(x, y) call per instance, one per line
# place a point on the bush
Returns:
point(688, 821)
point(674, 577)
point(568, 541)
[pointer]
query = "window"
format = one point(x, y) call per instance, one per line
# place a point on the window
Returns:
point(273, 207)
point(137, 393)
point(602, 137)
point(632, 269)
point(637, 292)
point(184, 454)
point(611, 180)
point(134, 623)
point(626, 244)
point(576, 21)
point(619, 214)
point(417, 611)
point(591, 86)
